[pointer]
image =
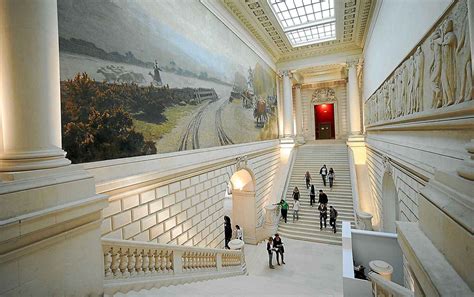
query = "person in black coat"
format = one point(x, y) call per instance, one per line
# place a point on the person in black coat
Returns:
point(312, 195)
point(280, 249)
point(323, 198)
point(323, 215)
point(227, 231)
point(332, 218)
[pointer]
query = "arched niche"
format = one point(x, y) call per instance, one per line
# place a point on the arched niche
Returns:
point(390, 212)
point(244, 208)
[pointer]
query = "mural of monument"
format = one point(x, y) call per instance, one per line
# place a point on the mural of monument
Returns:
point(145, 77)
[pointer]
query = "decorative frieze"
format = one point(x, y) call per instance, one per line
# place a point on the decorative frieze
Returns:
point(324, 95)
point(436, 75)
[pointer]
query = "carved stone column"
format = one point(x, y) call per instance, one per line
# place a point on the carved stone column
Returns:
point(353, 98)
point(287, 106)
point(30, 136)
point(299, 114)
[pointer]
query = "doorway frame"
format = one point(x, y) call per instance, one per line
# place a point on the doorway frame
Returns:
point(326, 95)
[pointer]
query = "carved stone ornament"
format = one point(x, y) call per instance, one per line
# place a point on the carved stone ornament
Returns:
point(241, 163)
point(324, 95)
point(437, 74)
point(386, 165)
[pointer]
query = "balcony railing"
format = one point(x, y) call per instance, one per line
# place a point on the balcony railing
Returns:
point(385, 288)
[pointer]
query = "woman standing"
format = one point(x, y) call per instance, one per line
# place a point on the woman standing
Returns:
point(331, 176)
point(280, 249)
point(312, 195)
point(239, 232)
point(270, 252)
point(227, 231)
point(296, 194)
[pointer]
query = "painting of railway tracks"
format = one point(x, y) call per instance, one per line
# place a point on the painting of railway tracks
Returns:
point(146, 77)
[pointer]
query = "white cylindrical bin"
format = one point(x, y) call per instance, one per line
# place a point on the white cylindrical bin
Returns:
point(382, 268)
point(236, 244)
point(365, 220)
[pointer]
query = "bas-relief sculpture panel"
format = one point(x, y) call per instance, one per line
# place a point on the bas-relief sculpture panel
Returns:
point(145, 77)
point(436, 75)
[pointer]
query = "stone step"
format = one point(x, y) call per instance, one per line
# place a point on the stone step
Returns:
point(335, 241)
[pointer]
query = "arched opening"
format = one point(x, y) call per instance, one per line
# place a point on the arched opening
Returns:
point(243, 206)
point(389, 204)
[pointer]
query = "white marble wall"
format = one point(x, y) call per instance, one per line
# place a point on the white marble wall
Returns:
point(342, 116)
point(187, 208)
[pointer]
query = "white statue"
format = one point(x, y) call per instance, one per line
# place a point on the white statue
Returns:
point(448, 83)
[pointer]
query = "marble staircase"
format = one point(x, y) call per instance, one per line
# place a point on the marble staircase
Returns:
point(311, 157)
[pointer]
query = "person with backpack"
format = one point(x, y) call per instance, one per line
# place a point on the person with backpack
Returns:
point(307, 178)
point(331, 176)
point(332, 217)
point(324, 172)
point(312, 196)
point(323, 215)
point(284, 209)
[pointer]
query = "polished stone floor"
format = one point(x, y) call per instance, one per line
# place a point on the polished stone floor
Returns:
point(311, 269)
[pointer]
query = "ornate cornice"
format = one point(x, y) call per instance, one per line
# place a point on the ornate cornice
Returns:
point(353, 17)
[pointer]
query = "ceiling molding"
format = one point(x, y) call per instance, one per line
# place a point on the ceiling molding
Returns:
point(352, 22)
point(320, 60)
point(217, 8)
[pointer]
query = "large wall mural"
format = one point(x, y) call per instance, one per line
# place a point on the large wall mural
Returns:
point(437, 75)
point(145, 77)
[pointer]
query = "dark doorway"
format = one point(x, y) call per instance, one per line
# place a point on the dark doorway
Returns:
point(324, 121)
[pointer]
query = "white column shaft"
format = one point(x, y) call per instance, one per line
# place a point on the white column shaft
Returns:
point(354, 101)
point(287, 107)
point(299, 112)
point(29, 86)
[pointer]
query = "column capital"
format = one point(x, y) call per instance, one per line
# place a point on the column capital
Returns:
point(286, 73)
point(297, 86)
point(354, 62)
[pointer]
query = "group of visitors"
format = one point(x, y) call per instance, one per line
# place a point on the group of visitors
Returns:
point(326, 175)
point(239, 233)
point(275, 245)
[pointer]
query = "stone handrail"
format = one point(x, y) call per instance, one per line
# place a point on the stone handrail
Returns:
point(382, 287)
point(133, 265)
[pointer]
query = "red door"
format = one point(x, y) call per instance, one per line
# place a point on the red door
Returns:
point(324, 121)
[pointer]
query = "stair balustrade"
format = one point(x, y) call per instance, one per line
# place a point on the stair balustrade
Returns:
point(133, 265)
point(385, 288)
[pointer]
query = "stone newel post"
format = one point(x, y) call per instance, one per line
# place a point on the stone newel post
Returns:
point(30, 136)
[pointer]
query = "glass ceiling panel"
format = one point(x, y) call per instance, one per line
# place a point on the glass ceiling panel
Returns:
point(306, 21)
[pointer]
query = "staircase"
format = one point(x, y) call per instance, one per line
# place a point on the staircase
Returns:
point(311, 157)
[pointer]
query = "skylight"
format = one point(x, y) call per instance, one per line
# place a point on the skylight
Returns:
point(306, 21)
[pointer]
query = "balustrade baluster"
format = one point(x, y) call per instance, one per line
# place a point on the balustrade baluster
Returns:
point(139, 262)
point(131, 262)
point(146, 262)
point(124, 262)
point(151, 256)
point(115, 263)
point(169, 263)
point(107, 263)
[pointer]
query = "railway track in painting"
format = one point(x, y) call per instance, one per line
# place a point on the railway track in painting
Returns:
point(224, 139)
point(190, 137)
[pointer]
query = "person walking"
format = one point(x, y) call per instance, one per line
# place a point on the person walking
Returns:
point(239, 232)
point(312, 196)
point(307, 178)
point(323, 215)
point(296, 194)
point(227, 231)
point(331, 176)
point(270, 252)
point(332, 217)
point(324, 172)
point(323, 198)
point(280, 250)
point(296, 209)
point(284, 209)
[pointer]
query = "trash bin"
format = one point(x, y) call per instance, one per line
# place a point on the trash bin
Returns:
point(236, 244)
point(382, 268)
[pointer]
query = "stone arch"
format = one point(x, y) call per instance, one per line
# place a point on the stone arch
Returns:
point(390, 212)
point(244, 208)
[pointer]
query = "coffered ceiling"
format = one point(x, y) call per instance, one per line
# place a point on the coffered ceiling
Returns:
point(352, 22)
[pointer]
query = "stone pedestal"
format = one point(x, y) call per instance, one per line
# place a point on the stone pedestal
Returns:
point(364, 220)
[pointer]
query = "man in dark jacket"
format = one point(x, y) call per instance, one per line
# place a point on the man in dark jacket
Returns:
point(323, 171)
point(323, 198)
point(323, 215)
point(332, 217)
point(227, 231)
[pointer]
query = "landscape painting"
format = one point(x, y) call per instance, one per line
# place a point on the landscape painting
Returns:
point(141, 77)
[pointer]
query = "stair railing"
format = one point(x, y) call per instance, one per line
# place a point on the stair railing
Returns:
point(385, 288)
point(133, 265)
